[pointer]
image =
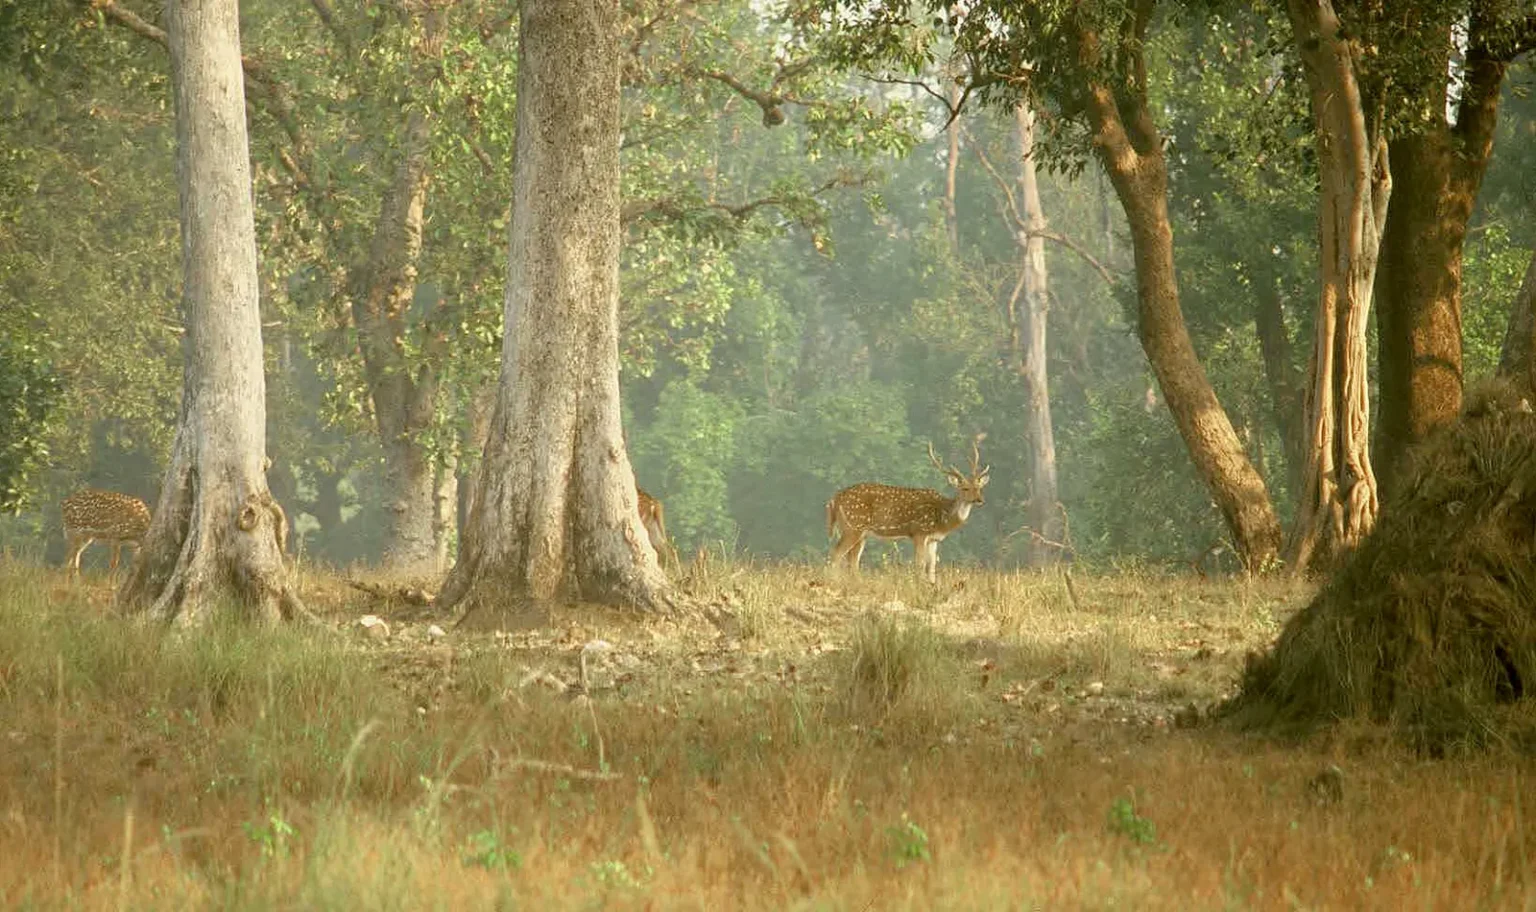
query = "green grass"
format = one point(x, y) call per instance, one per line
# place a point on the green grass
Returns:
point(850, 743)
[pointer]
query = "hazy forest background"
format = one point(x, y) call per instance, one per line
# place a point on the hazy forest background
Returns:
point(805, 304)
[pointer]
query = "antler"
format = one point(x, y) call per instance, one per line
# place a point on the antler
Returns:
point(939, 464)
point(976, 456)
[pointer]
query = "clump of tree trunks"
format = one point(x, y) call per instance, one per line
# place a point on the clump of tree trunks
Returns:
point(1430, 626)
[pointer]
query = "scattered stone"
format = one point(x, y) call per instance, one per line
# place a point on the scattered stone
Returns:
point(1095, 688)
point(435, 633)
point(375, 626)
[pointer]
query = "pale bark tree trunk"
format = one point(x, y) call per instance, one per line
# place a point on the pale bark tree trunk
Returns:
point(1130, 149)
point(556, 514)
point(1337, 503)
point(1518, 360)
point(404, 390)
point(1028, 336)
point(1437, 174)
point(217, 533)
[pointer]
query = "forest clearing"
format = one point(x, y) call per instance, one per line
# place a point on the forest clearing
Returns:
point(825, 744)
point(533, 428)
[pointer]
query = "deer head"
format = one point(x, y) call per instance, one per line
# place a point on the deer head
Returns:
point(967, 486)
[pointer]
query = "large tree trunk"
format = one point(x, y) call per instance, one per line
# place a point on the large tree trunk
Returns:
point(217, 533)
point(1130, 149)
point(1437, 174)
point(1517, 362)
point(1043, 512)
point(403, 388)
point(1337, 502)
point(556, 514)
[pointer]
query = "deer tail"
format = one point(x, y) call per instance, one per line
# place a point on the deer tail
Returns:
point(831, 517)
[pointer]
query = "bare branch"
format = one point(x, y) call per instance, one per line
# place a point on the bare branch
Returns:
point(1023, 228)
point(674, 208)
point(131, 21)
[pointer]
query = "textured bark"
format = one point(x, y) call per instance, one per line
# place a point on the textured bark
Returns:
point(1130, 149)
point(1437, 174)
point(1518, 360)
point(217, 535)
point(1028, 326)
point(1337, 503)
point(403, 388)
point(556, 514)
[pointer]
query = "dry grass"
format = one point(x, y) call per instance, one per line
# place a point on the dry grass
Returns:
point(825, 743)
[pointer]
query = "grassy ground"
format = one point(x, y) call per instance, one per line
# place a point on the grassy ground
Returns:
point(994, 742)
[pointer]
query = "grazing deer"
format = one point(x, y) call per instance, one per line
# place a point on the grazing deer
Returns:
point(112, 518)
point(654, 518)
point(921, 514)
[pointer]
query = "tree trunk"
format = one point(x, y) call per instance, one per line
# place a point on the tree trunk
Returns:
point(1286, 396)
point(1028, 335)
point(403, 387)
point(1518, 360)
point(445, 509)
point(556, 514)
point(472, 440)
point(1437, 174)
point(217, 533)
point(1337, 503)
point(1130, 149)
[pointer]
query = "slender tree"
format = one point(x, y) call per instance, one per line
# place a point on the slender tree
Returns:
point(556, 513)
point(217, 532)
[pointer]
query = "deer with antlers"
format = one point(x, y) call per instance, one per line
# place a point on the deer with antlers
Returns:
point(921, 514)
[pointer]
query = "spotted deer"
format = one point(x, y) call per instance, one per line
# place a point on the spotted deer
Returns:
point(106, 516)
point(654, 518)
point(921, 514)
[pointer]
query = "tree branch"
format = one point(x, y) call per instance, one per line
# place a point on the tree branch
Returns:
point(1023, 228)
point(675, 208)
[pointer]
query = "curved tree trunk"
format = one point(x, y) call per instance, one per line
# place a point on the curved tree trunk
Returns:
point(1130, 149)
point(556, 514)
point(1337, 503)
point(1437, 173)
point(1043, 512)
point(217, 533)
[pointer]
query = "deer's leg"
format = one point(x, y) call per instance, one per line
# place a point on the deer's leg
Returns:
point(77, 545)
point(857, 554)
point(933, 560)
point(920, 553)
point(117, 553)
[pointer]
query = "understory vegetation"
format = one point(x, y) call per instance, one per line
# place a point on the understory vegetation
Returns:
point(802, 741)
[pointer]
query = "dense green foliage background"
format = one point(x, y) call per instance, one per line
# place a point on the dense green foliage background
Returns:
point(794, 317)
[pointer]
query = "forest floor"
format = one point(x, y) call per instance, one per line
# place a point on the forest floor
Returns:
point(796, 740)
